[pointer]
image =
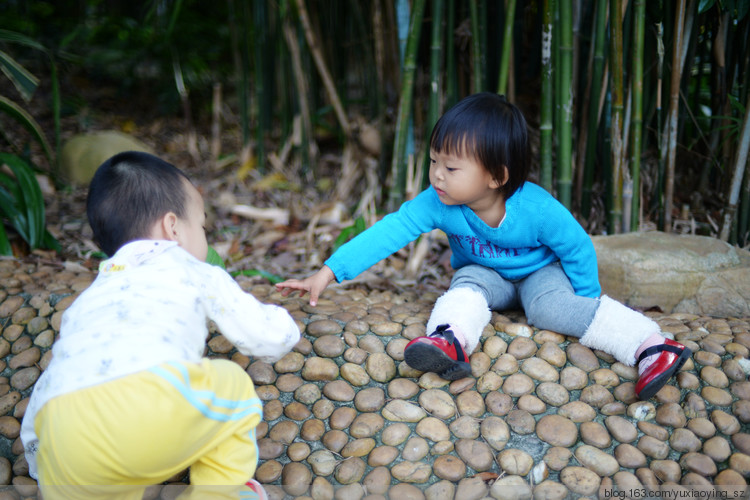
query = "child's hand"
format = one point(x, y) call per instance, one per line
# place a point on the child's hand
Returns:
point(314, 284)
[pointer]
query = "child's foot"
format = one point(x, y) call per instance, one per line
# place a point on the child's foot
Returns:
point(439, 353)
point(256, 488)
point(657, 364)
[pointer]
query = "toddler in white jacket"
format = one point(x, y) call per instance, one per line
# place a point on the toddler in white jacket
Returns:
point(128, 399)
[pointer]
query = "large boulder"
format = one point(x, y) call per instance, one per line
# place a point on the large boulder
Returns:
point(677, 273)
point(83, 153)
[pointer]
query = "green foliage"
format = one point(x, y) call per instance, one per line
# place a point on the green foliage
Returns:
point(272, 278)
point(186, 45)
point(349, 232)
point(22, 206)
point(214, 259)
point(26, 84)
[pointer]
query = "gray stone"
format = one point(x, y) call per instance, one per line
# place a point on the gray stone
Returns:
point(678, 273)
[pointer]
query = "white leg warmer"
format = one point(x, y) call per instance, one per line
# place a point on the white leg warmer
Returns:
point(464, 309)
point(618, 330)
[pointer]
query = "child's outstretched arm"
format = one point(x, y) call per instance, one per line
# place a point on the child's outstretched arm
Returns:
point(314, 284)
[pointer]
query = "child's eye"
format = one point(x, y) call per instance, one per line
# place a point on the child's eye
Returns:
point(450, 169)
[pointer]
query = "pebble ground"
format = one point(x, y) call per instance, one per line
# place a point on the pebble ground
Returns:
point(344, 417)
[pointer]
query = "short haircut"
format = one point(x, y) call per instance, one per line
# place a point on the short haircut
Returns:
point(128, 194)
point(493, 131)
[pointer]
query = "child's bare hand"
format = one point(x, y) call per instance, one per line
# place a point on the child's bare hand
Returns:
point(314, 284)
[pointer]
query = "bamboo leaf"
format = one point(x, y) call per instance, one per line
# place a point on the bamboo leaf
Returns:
point(22, 79)
point(27, 121)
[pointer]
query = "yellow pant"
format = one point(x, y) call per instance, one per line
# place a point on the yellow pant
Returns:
point(114, 439)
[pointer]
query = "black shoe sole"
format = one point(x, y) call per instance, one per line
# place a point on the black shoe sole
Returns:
point(428, 358)
point(662, 379)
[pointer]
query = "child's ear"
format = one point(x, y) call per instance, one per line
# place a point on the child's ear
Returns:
point(500, 182)
point(165, 228)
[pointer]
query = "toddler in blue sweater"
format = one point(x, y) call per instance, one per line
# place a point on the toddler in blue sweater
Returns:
point(513, 244)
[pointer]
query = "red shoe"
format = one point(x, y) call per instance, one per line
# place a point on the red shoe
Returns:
point(673, 356)
point(438, 353)
point(256, 488)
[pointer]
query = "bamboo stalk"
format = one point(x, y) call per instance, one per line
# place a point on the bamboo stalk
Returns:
point(379, 51)
point(659, 184)
point(510, 92)
point(616, 73)
point(241, 66)
point(674, 102)
point(718, 96)
point(565, 97)
point(436, 51)
point(322, 68)
point(585, 105)
point(191, 137)
point(260, 22)
point(546, 111)
point(743, 225)
point(433, 112)
point(451, 92)
point(740, 164)
point(300, 82)
point(637, 107)
point(510, 15)
point(56, 100)
point(597, 88)
point(398, 167)
point(216, 123)
point(476, 46)
point(483, 42)
point(684, 46)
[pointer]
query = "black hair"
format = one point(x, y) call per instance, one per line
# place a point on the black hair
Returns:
point(493, 131)
point(128, 194)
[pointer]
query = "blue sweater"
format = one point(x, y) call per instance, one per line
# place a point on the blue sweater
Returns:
point(537, 230)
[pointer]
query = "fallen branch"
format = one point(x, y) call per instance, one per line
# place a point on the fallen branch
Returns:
point(279, 216)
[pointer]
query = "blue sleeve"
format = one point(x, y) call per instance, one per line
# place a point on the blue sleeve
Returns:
point(562, 233)
point(388, 235)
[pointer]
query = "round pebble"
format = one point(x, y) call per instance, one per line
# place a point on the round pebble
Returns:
point(449, 468)
point(557, 430)
point(515, 462)
point(555, 418)
point(476, 454)
point(438, 403)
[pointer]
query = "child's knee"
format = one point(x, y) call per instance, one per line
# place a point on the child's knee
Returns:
point(543, 308)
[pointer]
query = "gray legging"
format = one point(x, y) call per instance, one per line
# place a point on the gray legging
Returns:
point(546, 295)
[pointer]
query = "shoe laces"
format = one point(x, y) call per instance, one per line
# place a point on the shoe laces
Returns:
point(445, 332)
